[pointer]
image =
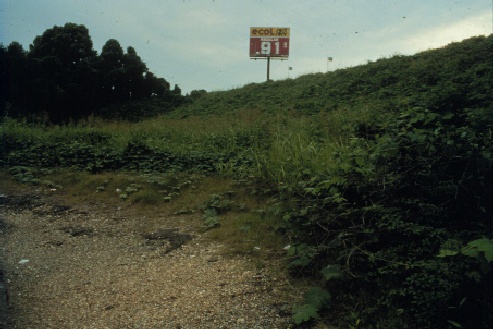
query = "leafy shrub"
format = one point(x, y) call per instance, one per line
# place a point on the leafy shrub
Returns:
point(379, 169)
point(211, 219)
point(146, 197)
point(384, 209)
point(315, 299)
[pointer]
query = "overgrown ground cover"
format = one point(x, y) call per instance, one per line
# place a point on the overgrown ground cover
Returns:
point(380, 178)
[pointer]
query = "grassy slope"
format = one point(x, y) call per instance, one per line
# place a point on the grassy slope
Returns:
point(386, 84)
point(289, 129)
point(337, 107)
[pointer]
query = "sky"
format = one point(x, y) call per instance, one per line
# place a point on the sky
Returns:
point(204, 44)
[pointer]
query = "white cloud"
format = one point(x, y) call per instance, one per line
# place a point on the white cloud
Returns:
point(203, 44)
point(446, 33)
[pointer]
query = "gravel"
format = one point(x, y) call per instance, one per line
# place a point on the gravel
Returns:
point(94, 267)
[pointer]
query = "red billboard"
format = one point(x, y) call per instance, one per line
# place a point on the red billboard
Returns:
point(269, 42)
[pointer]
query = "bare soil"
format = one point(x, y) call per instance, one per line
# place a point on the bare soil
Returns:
point(91, 265)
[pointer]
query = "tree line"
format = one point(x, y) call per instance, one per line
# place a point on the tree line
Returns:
point(62, 77)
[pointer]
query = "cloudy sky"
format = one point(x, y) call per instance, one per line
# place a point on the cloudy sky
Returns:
point(204, 44)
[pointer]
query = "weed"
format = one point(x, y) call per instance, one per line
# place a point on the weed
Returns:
point(373, 170)
point(211, 220)
point(147, 197)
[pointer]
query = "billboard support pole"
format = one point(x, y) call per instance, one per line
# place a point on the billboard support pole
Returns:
point(267, 42)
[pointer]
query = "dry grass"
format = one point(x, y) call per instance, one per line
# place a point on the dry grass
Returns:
point(193, 197)
point(248, 226)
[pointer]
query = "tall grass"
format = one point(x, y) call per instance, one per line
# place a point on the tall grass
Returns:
point(302, 146)
point(283, 147)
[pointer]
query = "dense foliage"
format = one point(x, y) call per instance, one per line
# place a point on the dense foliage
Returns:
point(455, 76)
point(382, 212)
point(62, 76)
point(383, 176)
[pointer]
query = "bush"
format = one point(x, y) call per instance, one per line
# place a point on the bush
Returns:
point(384, 210)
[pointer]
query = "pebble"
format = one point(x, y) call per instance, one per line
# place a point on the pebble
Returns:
point(191, 287)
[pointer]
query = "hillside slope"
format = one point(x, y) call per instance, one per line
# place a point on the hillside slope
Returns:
point(379, 176)
point(457, 75)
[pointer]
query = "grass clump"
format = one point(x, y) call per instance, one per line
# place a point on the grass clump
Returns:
point(368, 172)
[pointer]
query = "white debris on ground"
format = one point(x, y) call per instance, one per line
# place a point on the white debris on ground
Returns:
point(84, 268)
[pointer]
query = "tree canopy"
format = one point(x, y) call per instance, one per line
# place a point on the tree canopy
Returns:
point(63, 77)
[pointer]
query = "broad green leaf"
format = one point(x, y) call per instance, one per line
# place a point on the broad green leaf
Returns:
point(447, 252)
point(331, 271)
point(448, 116)
point(360, 160)
point(483, 245)
point(472, 252)
point(450, 247)
point(455, 324)
point(318, 297)
point(305, 313)
point(291, 251)
point(309, 189)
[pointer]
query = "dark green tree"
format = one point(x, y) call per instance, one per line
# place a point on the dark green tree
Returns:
point(70, 44)
point(135, 71)
point(156, 86)
point(110, 71)
point(14, 72)
point(62, 59)
point(3, 80)
point(112, 54)
point(124, 76)
point(177, 90)
point(63, 77)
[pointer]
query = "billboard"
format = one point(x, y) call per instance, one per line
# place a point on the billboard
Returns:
point(269, 42)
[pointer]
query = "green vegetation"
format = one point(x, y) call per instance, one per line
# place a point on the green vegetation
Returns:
point(315, 299)
point(62, 78)
point(379, 177)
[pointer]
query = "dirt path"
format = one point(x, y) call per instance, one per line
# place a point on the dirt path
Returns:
point(3, 287)
point(87, 266)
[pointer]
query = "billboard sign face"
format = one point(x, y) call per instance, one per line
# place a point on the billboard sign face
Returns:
point(269, 42)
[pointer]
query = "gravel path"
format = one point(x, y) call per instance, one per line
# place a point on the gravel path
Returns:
point(83, 267)
point(3, 286)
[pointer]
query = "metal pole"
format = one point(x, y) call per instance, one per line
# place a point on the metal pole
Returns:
point(329, 60)
point(268, 67)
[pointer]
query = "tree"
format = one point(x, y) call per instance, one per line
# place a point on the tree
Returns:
point(3, 79)
point(125, 76)
point(110, 71)
point(62, 60)
point(63, 77)
point(177, 90)
point(156, 86)
point(134, 71)
point(112, 54)
point(16, 77)
point(71, 44)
